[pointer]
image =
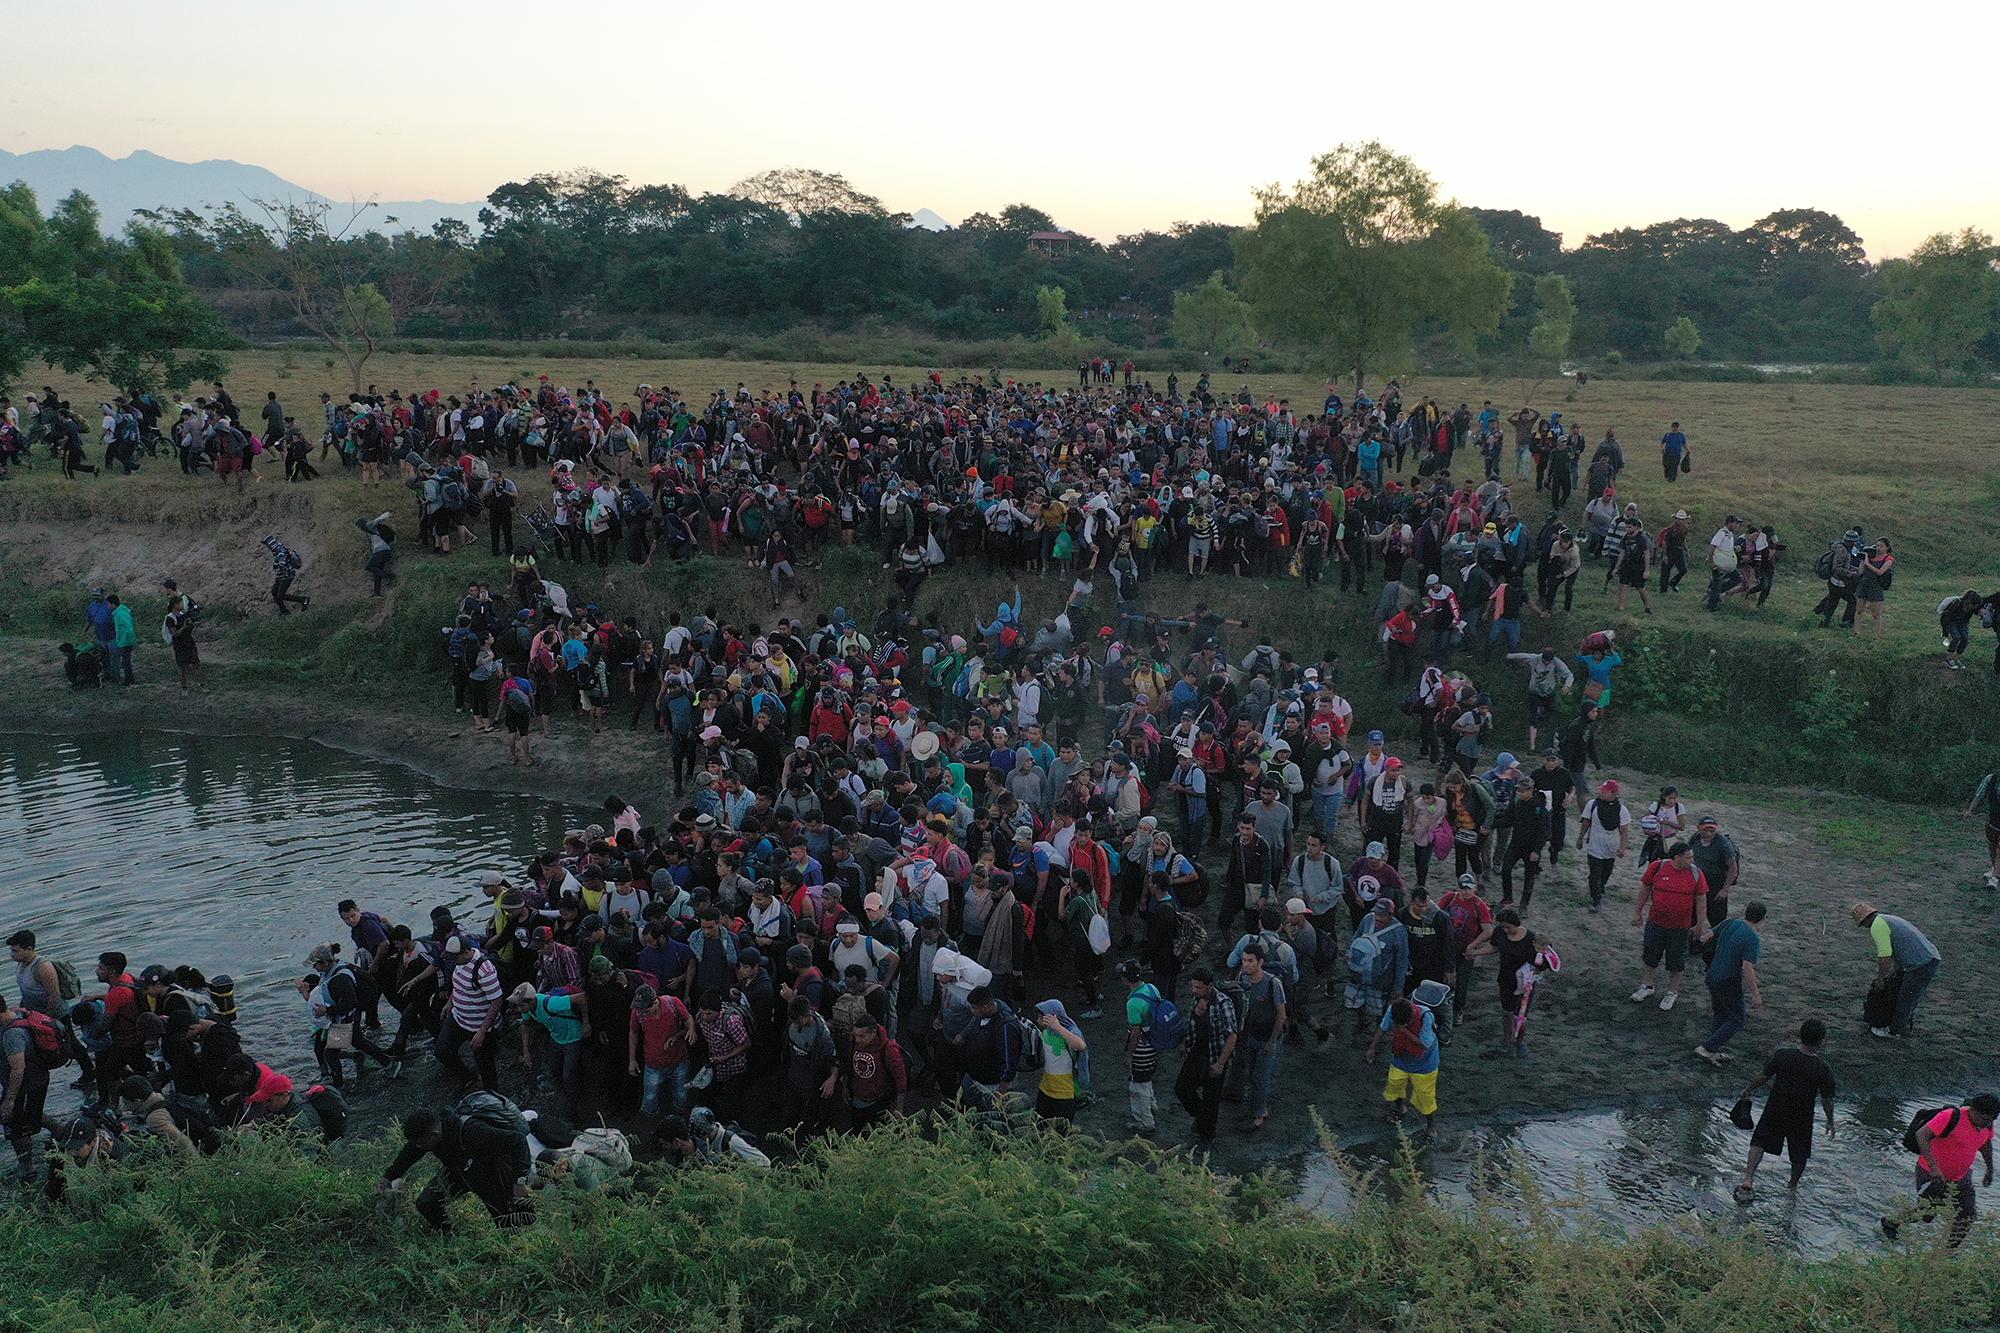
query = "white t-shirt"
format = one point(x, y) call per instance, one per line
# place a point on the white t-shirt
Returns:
point(1598, 841)
point(1723, 544)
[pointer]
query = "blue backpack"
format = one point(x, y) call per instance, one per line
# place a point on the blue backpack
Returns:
point(1166, 1027)
point(1366, 962)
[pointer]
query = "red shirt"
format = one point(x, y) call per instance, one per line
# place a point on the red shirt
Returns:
point(663, 1034)
point(121, 1010)
point(876, 1073)
point(1675, 893)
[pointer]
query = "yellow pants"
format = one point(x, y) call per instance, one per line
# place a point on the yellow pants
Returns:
point(1420, 1090)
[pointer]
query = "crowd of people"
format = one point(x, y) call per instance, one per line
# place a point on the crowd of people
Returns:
point(895, 854)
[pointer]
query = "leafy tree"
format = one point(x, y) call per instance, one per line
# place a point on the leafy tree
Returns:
point(1555, 317)
point(1683, 339)
point(1350, 260)
point(1792, 232)
point(1211, 318)
point(1051, 311)
point(308, 255)
point(802, 192)
point(1520, 239)
point(1938, 304)
point(115, 309)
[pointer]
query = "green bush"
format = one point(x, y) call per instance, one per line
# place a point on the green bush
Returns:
point(954, 1228)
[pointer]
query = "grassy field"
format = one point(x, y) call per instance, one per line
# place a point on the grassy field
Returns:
point(959, 1229)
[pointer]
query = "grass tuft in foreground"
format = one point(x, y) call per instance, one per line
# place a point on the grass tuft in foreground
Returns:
point(954, 1229)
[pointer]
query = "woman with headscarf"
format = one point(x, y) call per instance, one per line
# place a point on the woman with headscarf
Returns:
point(1065, 1064)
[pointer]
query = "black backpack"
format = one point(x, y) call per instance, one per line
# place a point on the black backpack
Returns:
point(1922, 1118)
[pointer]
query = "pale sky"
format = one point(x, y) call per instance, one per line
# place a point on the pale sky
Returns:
point(1112, 118)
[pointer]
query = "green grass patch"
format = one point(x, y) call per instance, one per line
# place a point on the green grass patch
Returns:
point(954, 1229)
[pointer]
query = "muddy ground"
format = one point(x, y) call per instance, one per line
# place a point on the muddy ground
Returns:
point(1807, 855)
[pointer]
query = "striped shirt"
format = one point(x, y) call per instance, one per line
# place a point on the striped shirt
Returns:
point(475, 991)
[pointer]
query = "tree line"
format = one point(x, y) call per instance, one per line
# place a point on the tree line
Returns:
point(1362, 267)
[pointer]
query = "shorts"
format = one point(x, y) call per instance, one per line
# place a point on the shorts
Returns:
point(1774, 1135)
point(1632, 576)
point(1199, 547)
point(1541, 707)
point(1670, 942)
point(1420, 1090)
point(518, 720)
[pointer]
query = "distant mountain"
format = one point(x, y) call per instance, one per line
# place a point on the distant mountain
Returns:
point(123, 185)
point(928, 220)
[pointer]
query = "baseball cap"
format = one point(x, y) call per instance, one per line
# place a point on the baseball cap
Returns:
point(1468, 881)
point(1376, 737)
point(1706, 821)
point(1377, 850)
point(1609, 787)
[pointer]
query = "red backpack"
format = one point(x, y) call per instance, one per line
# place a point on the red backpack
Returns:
point(44, 1038)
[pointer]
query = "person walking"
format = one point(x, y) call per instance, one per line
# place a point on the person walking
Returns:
point(1722, 562)
point(1413, 1062)
point(1878, 571)
point(471, 1014)
point(1670, 893)
point(1142, 1061)
point(1986, 802)
point(1905, 961)
point(1798, 1077)
point(1211, 1045)
point(1946, 1145)
point(1604, 837)
point(1732, 974)
point(1263, 1024)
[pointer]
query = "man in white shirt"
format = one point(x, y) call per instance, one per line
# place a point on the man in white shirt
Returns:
point(1722, 561)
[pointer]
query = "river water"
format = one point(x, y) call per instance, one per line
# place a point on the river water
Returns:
point(229, 854)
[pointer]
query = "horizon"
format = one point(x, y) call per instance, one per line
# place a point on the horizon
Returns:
point(1106, 148)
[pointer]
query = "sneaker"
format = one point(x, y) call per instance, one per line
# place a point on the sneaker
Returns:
point(1667, 1000)
point(1883, 1033)
point(1641, 995)
point(395, 1069)
point(1089, 1014)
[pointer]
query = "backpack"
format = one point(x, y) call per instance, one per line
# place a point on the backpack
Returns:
point(1196, 894)
point(847, 1010)
point(69, 985)
point(1098, 934)
point(1190, 937)
point(1407, 1041)
point(1032, 1053)
point(192, 1119)
point(1922, 1118)
point(367, 990)
point(45, 1039)
point(1366, 962)
point(1166, 1025)
point(1326, 949)
point(489, 1110)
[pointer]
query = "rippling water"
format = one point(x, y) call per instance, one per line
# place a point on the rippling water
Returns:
point(1633, 1168)
point(229, 854)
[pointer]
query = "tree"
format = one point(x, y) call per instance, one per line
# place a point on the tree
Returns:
point(1793, 232)
point(1555, 317)
point(1352, 259)
point(1520, 238)
point(1211, 318)
point(1939, 303)
point(802, 192)
point(309, 256)
point(1683, 339)
point(114, 309)
point(1051, 311)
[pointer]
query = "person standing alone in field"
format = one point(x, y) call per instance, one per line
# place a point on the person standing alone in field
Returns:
point(1673, 451)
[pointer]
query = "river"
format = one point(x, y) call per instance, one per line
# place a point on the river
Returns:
point(229, 854)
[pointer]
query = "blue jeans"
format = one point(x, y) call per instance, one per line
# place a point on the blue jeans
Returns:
point(674, 1078)
point(121, 662)
point(1265, 1058)
point(1326, 809)
point(1915, 981)
point(1508, 628)
point(1726, 997)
